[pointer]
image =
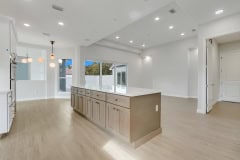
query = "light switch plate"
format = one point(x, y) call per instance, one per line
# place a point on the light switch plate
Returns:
point(156, 108)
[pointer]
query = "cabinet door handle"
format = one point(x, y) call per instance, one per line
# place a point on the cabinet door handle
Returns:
point(113, 108)
point(97, 102)
point(116, 99)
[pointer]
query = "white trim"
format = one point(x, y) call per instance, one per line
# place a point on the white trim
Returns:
point(179, 96)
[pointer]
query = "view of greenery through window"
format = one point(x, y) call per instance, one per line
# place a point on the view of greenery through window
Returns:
point(105, 74)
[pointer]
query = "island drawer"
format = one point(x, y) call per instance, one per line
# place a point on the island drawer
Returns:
point(88, 92)
point(99, 95)
point(81, 91)
point(74, 90)
point(119, 100)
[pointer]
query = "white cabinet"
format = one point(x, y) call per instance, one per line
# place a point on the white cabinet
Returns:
point(6, 111)
point(8, 41)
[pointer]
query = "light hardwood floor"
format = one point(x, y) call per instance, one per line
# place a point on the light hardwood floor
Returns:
point(50, 130)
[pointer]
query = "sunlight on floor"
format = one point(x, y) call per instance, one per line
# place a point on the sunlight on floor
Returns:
point(116, 151)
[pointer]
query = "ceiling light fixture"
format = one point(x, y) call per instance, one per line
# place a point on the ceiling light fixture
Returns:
point(117, 37)
point(156, 18)
point(220, 11)
point(143, 45)
point(182, 34)
point(27, 25)
point(52, 54)
point(60, 23)
point(131, 41)
point(171, 27)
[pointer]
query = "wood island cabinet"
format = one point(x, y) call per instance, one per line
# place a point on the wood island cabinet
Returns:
point(134, 117)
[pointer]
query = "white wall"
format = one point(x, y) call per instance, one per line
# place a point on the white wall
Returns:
point(213, 73)
point(168, 68)
point(213, 29)
point(192, 72)
point(48, 88)
point(96, 52)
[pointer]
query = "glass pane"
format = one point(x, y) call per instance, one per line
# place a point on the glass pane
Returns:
point(121, 73)
point(65, 75)
point(107, 75)
point(31, 64)
point(92, 73)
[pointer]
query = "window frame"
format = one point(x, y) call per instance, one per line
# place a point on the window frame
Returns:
point(58, 76)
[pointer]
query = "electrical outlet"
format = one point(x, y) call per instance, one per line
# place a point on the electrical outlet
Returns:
point(156, 108)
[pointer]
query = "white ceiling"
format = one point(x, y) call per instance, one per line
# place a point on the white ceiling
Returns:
point(228, 38)
point(88, 21)
point(190, 13)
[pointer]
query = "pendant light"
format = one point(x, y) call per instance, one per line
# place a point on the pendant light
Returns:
point(52, 54)
point(52, 57)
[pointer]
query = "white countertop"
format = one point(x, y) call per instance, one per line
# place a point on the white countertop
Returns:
point(125, 91)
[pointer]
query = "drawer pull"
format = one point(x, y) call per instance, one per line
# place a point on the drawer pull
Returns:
point(97, 103)
point(97, 95)
point(116, 100)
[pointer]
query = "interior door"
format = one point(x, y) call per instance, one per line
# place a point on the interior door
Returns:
point(230, 77)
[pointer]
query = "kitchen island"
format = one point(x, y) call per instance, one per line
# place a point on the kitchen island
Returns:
point(133, 114)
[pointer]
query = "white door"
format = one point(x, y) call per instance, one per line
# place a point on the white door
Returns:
point(213, 74)
point(230, 77)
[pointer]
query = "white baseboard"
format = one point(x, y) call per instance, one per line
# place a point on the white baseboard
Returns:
point(41, 98)
point(178, 96)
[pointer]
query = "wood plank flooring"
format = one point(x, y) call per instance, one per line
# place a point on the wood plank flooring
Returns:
point(50, 130)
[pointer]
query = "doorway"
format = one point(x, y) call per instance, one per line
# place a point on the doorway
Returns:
point(223, 73)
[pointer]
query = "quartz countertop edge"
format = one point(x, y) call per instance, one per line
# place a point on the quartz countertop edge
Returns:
point(129, 91)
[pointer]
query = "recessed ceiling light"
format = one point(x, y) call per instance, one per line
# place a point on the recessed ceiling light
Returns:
point(171, 27)
point(60, 23)
point(131, 41)
point(143, 45)
point(117, 37)
point(182, 34)
point(27, 25)
point(220, 11)
point(157, 18)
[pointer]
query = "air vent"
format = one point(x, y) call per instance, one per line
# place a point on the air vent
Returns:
point(58, 8)
point(194, 30)
point(172, 11)
point(46, 34)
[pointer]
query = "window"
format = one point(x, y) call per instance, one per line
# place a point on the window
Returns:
point(31, 64)
point(121, 74)
point(105, 74)
point(92, 73)
point(65, 75)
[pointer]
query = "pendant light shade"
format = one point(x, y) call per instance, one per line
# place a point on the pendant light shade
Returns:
point(52, 65)
point(52, 57)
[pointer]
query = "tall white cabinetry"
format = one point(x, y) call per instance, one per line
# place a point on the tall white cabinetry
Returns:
point(8, 41)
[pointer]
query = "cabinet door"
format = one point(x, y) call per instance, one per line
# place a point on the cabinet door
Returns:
point(81, 103)
point(75, 107)
point(111, 118)
point(72, 100)
point(98, 112)
point(123, 116)
point(88, 108)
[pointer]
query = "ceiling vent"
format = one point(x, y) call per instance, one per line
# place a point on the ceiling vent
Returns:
point(46, 34)
point(58, 8)
point(172, 11)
